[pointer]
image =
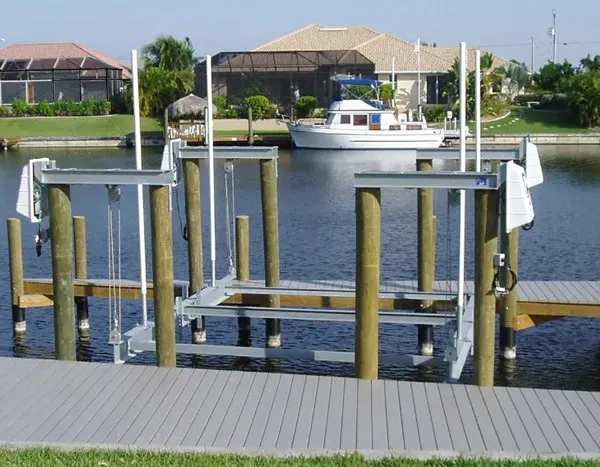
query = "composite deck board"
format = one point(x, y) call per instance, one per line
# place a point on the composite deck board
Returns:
point(438, 418)
point(575, 423)
point(271, 434)
point(550, 432)
point(261, 416)
point(240, 433)
point(572, 293)
point(395, 434)
point(186, 402)
point(318, 429)
point(82, 404)
point(424, 423)
point(412, 441)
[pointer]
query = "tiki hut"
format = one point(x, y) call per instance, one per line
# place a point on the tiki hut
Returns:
point(190, 107)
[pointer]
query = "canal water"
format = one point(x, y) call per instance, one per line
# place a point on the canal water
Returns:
point(317, 241)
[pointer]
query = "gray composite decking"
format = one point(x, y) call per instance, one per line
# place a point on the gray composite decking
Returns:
point(75, 404)
point(563, 292)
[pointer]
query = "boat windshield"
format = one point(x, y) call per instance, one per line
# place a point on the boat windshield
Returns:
point(330, 117)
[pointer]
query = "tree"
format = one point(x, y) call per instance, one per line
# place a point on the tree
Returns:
point(590, 64)
point(489, 77)
point(168, 53)
point(160, 87)
point(516, 78)
point(553, 77)
point(583, 98)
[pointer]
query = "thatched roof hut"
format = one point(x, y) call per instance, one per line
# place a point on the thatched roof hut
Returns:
point(189, 107)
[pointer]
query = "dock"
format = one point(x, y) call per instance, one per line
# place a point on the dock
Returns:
point(99, 405)
point(538, 301)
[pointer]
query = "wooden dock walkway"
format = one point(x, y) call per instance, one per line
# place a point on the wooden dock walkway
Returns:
point(75, 404)
point(538, 301)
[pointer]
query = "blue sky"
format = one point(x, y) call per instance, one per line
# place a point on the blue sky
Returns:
point(115, 27)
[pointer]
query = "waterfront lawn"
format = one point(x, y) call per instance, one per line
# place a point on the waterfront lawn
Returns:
point(54, 458)
point(107, 126)
point(525, 121)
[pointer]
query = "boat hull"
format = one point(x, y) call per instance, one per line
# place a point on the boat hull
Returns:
point(311, 137)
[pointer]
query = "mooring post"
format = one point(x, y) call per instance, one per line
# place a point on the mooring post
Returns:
point(61, 238)
point(507, 304)
point(486, 244)
point(242, 261)
point(250, 130)
point(83, 319)
point(368, 265)
point(270, 216)
point(17, 287)
point(426, 257)
point(191, 175)
point(162, 267)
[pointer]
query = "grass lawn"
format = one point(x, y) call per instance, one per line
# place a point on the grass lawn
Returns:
point(534, 121)
point(46, 457)
point(111, 125)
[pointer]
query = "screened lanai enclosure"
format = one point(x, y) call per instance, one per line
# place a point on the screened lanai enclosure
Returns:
point(282, 76)
point(55, 79)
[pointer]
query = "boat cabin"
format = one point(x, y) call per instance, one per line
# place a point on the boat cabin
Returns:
point(357, 114)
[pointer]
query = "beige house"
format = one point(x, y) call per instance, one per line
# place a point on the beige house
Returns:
point(306, 59)
point(388, 53)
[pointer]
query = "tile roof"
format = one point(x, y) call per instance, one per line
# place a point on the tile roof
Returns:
point(377, 47)
point(64, 50)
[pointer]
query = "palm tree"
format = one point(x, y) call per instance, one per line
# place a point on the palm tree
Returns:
point(168, 53)
point(515, 77)
point(590, 64)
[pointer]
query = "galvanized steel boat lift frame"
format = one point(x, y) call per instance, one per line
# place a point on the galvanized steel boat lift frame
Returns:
point(208, 301)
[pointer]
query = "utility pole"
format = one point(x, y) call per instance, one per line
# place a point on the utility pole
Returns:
point(553, 33)
point(532, 54)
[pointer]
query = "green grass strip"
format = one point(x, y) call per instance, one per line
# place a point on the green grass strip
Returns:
point(92, 458)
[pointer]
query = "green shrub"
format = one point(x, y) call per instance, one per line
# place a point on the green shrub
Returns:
point(44, 109)
point(523, 99)
point(386, 92)
point(220, 102)
point(320, 113)
point(19, 107)
point(436, 113)
point(232, 112)
point(306, 105)
point(494, 105)
point(260, 106)
point(552, 102)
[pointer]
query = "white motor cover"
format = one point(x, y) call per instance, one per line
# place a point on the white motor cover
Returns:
point(30, 202)
point(533, 166)
point(519, 208)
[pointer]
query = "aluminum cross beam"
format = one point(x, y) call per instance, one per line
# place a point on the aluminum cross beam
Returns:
point(228, 152)
point(53, 176)
point(415, 179)
point(493, 154)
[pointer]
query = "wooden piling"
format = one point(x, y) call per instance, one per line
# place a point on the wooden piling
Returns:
point(250, 127)
point(17, 288)
point(80, 242)
point(242, 261)
point(162, 267)
point(426, 257)
point(507, 304)
point(486, 244)
point(368, 264)
point(270, 216)
point(61, 238)
point(191, 175)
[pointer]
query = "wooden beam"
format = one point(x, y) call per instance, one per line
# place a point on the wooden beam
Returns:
point(523, 322)
point(35, 300)
point(559, 309)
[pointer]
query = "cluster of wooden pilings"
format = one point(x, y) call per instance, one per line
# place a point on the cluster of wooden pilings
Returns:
point(68, 241)
point(68, 235)
point(368, 265)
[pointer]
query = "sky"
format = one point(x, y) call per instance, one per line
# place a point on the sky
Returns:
point(114, 27)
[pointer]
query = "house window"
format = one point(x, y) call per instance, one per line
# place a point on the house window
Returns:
point(360, 120)
point(436, 85)
point(345, 119)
